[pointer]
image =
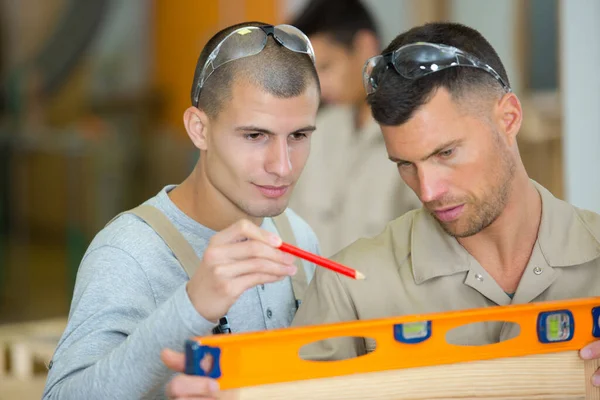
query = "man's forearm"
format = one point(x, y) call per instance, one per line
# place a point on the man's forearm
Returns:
point(132, 368)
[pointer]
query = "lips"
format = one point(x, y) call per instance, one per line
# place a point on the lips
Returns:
point(272, 192)
point(449, 214)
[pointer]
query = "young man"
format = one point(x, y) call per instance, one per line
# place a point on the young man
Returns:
point(349, 189)
point(255, 97)
point(487, 234)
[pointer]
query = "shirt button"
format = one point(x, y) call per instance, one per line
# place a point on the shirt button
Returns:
point(537, 270)
point(269, 313)
point(479, 277)
point(262, 286)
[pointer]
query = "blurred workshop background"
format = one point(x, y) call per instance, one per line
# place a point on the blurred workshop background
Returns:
point(91, 103)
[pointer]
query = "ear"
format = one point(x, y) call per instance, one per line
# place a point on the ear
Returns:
point(365, 44)
point(509, 117)
point(196, 124)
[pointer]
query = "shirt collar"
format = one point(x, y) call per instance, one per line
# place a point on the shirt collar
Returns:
point(565, 239)
point(566, 236)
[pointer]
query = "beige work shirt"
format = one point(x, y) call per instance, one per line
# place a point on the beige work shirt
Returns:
point(349, 188)
point(414, 267)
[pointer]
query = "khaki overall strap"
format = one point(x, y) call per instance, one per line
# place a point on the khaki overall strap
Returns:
point(158, 221)
point(299, 282)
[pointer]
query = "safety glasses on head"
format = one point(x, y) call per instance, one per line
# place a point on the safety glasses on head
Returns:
point(419, 59)
point(248, 41)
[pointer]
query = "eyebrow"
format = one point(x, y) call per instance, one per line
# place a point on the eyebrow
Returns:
point(434, 152)
point(256, 129)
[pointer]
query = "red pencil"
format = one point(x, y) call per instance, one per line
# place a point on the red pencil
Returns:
point(323, 262)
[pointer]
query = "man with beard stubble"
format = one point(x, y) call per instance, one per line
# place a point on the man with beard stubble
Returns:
point(487, 234)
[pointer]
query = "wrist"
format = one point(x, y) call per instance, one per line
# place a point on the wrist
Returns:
point(197, 305)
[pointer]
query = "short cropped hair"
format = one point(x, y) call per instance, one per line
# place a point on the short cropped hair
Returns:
point(340, 19)
point(279, 71)
point(397, 98)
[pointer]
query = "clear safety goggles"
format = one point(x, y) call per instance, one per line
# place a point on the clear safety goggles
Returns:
point(417, 60)
point(248, 41)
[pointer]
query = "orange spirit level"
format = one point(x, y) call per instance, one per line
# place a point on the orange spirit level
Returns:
point(269, 357)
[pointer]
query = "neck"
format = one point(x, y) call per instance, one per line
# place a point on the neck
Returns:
point(504, 247)
point(202, 202)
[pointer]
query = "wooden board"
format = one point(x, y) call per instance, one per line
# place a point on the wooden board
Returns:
point(555, 376)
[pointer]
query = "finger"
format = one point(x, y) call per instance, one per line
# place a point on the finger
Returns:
point(244, 250)
point(195, 398)
point(591, 351)
point(246, 282)
point(244, 229)
point(183, 386)
point(596, 378)
point(255, 266)
point(173, 360)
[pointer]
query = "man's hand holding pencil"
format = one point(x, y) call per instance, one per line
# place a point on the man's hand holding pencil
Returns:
point(237, 258)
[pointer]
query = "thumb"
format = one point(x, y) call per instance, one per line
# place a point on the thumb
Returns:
point(591, 351)
point(173, 360)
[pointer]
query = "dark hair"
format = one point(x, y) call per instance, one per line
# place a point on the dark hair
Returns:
point(340, 19)
point(279, 71)
point(397, 98)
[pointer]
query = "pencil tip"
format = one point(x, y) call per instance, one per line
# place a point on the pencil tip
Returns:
point(359, 275)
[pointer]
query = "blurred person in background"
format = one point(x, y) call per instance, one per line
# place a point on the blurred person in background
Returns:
point(255, 96)
point(349, 188)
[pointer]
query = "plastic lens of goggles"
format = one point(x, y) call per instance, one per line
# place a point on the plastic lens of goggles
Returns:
point(244, 42)
point(292, 38)
point(373, 72)
point(420, 59)
point(249, 41)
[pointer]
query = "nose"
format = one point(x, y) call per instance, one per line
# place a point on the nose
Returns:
point(430, 183)
point(278, 158)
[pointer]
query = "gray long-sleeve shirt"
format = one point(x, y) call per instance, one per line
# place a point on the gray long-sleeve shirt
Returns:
point(130, 302)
